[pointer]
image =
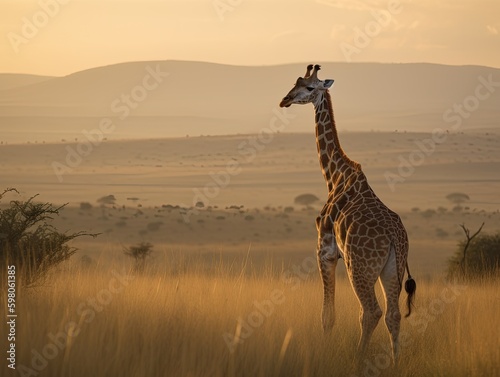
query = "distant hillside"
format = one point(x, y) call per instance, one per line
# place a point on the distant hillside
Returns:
point(367, 96)
point(14, 80)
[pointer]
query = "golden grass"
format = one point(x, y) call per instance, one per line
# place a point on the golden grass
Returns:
point(180, 324)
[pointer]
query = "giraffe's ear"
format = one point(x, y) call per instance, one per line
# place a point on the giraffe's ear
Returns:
point(327, 84)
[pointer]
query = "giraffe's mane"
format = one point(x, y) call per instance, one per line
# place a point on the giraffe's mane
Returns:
point(352, 163)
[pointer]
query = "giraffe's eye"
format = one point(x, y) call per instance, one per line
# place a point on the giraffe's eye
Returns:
point(310, 88)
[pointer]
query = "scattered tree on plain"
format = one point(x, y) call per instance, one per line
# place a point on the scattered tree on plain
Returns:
point(108, 199)
point(29, 241)
point(306, 199)
point(478, 256)
point(457, 198)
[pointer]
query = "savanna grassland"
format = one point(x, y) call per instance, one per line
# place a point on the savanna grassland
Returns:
point(232, 287)
point(236, 320)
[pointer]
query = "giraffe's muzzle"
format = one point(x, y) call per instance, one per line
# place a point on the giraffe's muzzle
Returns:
point(285, 102)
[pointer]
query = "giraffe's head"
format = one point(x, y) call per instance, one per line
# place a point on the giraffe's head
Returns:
point(307, 89)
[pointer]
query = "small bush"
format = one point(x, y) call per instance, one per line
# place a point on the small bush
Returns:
point(140, 253)
point(108, 199)
point(442, 210)
point(85, 206)
point(441, 233)
point(428, 213)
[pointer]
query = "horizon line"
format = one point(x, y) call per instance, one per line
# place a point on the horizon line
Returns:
point(243, 66)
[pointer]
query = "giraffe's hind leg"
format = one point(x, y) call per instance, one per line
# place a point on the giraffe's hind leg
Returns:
point(327, 262)
point(364, 287)
point(392, 288)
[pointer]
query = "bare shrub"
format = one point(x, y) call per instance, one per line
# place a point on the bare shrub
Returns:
point(478, 256)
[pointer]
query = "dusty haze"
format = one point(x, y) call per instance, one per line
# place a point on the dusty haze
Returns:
point(187, 98)
point(165, 136)
point(158, 121)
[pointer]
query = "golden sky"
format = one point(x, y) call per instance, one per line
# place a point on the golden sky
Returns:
point(58, 37)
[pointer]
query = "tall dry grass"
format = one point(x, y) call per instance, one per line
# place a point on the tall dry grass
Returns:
point(104, 323)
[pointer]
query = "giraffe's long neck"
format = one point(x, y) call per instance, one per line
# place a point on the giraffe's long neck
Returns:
point(334, 162)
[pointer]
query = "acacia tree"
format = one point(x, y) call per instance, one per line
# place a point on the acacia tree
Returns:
point(29, 241)
point(306, 199)
point(457, 198)
point(104, 201)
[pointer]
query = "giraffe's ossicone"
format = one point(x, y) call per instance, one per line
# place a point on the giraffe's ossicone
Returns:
point(354, 224)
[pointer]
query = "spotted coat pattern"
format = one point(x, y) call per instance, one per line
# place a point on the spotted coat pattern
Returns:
point(354, 224)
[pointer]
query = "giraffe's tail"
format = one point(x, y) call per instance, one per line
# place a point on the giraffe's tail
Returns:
point(410, 288)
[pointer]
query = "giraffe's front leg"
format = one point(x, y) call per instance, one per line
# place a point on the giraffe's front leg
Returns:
point(327, 261)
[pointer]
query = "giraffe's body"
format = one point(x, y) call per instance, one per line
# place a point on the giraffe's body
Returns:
point(354, 224)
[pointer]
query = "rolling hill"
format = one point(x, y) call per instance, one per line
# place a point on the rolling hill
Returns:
point(15, 80)
point(204, 98)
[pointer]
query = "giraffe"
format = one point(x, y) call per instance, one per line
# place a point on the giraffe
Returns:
point(354, 225)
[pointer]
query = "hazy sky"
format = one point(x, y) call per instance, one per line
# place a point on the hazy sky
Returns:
point(58, 37)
